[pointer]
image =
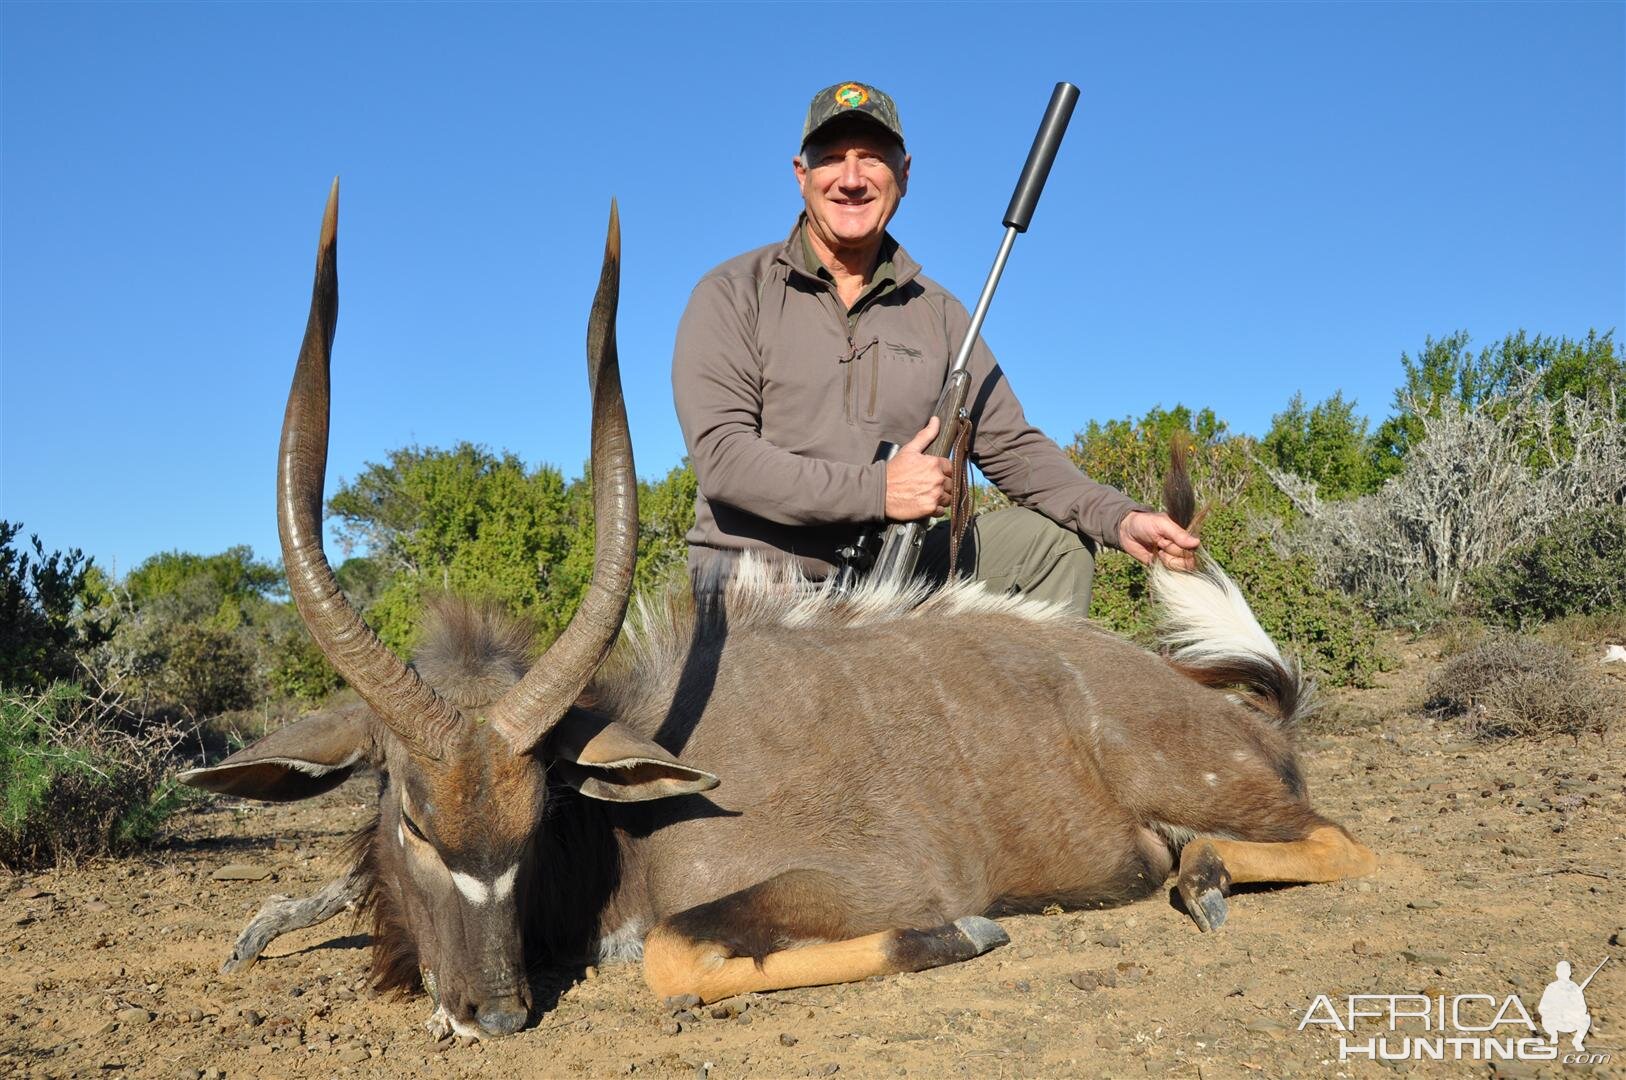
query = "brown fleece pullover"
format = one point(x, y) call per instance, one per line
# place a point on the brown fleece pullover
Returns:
point(784, 396)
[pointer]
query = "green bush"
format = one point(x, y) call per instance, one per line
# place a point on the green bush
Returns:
point(1329, 633)
point(1577, 568)
point(194, 669)
point(79, 776)
point(1325, 443)
point(45, 615)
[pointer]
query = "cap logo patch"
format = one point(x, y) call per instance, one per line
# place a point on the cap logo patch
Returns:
point(851, 95)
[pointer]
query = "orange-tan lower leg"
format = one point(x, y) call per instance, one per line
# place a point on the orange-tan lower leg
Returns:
point(1209, 867)
point(1327, 854)
point(675, 965)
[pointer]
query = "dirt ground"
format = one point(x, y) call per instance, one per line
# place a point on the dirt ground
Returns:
point(1497, 861)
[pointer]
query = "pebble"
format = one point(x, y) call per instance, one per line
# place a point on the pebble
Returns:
point(353, 1056)
point(680, 1002)
point(240, 872)
point(671, 1027)
point(1092, 980)
point(1423, 956)
point(1130, 974)
point(726, 1011)
point(133, 1016)
point(1109, 940)
point(1266, 1027)
point(787, 1039)
point(1423, 904)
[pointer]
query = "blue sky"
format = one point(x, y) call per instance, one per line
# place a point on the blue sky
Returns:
point(1252, 200)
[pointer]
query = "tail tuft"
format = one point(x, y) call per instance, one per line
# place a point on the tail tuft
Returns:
point(1179, 500)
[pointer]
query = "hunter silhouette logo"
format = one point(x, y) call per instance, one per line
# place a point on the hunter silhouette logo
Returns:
point(1461, 1027)
point(852, 95)
point(1563, 1005)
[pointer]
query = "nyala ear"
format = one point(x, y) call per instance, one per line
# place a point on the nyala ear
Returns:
point(300, 761)
point(604, 760)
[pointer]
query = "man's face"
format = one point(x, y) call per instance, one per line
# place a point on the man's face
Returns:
point(851, 182)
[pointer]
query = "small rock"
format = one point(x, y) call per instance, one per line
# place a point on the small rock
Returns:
point(685, 1016)
point(107, 1028)
point(1092, 980)
point(786, 1039)
point(444, 1044)
point(253, 1018)
point(1618, 937)
point(1423, 904)
point(1360, 948)
point(829, 1069)
point(96, 906)
point(671, 1027)
point(726, 1011)
point(1130, 974)
point(1109, 940)
point(1423, 956)
point(353, 1056)
point(1266, 1027)
point(240, 872)
point(590, 973)
point(133, 1016)
point(681, 1002)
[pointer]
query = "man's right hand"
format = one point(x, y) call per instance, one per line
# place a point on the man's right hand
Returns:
point(917, 484)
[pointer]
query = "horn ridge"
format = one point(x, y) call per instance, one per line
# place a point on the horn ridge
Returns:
point(408, 705)
point(528, 711)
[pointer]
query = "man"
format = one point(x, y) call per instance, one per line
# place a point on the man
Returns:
point(794, 361)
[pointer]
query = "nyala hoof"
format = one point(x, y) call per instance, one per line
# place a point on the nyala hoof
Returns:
point(1204, 883)
point(1208, 910)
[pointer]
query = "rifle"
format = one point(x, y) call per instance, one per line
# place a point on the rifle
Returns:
point(892, 556)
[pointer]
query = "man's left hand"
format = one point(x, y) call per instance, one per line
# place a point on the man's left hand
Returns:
point(1149, 536)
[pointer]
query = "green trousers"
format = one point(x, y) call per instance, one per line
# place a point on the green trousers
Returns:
point(1018, 551)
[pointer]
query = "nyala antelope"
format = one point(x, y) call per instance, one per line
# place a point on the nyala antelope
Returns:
point(797, 788)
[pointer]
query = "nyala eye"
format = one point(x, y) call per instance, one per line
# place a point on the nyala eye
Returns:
point(412, 827)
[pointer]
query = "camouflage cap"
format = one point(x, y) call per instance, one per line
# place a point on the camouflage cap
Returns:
point(852, 98)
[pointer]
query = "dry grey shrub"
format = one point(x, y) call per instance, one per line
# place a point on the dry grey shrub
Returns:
point(1467, 494)
point(1516, 686)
